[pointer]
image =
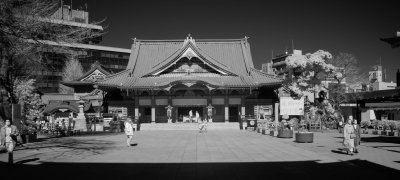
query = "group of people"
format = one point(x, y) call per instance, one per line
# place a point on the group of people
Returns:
point(351, 136)
point(196, 118)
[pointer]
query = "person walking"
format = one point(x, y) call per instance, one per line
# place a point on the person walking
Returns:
point(8, 138)
point(349, 136)
point(357, 132)
point(197, 116)
point(202, 125)
point(190, 115)
point(128, 131)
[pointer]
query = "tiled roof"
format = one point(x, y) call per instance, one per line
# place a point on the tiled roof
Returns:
point(46, 98)
point(95, 66)
point(56, 105)
point(79, 81)
point(232, 56)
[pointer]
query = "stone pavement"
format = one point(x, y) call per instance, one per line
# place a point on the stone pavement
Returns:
point(232, 154)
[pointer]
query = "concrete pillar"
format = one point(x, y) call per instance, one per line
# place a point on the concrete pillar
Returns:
point(170, 103)
point(153, 110)
point(226, 102)
point(276, 112)
point(243, 106)
point(136, 105)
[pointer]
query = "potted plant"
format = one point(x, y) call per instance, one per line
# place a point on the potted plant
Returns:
point(375, 123)
point(271, 128)
point(285, 129)
point(29, 134)
point(392, 126)
point(398, 127)
point(365, 124)
point(303, 135)
point(384, 124)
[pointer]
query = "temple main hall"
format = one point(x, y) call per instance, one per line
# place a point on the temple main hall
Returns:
point(166, 79)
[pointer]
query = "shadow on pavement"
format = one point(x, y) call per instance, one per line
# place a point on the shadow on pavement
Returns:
point(70, 143)
point(26, 161)
point(339, 151)
point(382, 139)
point(354, 169)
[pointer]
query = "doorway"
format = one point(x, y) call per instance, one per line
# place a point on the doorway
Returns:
point(233, 114)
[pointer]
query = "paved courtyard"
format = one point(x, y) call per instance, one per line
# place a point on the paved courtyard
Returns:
point(216, 154)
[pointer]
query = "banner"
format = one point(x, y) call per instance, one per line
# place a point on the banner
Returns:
point(291, 106)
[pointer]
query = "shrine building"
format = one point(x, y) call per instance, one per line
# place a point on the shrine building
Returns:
point(190, 75)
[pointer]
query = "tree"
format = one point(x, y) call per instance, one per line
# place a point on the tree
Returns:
point(28, 98)
point(26, 28)
point(347, 70)
point(72, 70)
point(306, 72)
point(305, 76)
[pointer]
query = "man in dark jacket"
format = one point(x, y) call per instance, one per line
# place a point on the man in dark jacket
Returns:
point(8, 138)
point(357, 131)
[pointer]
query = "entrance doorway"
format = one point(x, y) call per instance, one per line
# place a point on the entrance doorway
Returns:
point(233, 114)
point(183, 112)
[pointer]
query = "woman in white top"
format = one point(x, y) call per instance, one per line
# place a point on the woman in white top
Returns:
point(129, 131)
point(197, 116)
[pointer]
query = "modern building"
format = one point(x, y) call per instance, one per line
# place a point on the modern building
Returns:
point(87, 51)
point(214, 77)
point(267, 68)
point(377, 79)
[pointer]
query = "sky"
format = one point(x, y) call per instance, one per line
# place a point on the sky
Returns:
point(335, 26)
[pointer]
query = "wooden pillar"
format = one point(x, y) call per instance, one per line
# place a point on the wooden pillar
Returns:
point(170, 103)
point(276, 112)
point(226, 102)
point(357, 110)
point(137, 106)
point(243, 108)
point(153, 109)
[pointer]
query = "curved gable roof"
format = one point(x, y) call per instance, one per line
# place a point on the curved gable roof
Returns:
point(232, 56)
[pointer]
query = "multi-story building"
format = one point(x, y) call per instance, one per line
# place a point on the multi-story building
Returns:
point(377, 78)
point(267, 68)
point(88, 52)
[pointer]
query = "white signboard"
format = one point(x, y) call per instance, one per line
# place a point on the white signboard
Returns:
point(291, 106)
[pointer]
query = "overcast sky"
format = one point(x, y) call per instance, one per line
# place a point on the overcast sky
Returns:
point(335, 26)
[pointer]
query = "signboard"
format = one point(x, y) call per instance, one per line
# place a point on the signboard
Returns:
point(262, 111)
point(120, 111)
point(291, 106)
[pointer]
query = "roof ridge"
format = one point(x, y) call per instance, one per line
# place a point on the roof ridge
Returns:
point(197, 40)
point(263, 73)
point(116, 74)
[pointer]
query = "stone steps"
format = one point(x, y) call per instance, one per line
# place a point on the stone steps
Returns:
point(189, 126)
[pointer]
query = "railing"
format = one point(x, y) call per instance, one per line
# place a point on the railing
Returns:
point(315, 125)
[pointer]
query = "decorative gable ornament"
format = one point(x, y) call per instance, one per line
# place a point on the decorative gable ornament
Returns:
point(95, 76)
point(188, 84)
point(189, 53)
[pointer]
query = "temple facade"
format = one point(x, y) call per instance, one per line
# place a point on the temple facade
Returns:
point(166, 80)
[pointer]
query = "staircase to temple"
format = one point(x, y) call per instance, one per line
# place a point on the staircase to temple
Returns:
point(189, 126)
